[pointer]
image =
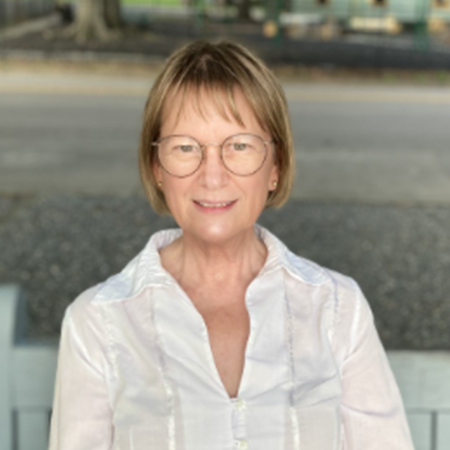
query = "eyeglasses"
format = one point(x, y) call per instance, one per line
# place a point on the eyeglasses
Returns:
point(241, 154)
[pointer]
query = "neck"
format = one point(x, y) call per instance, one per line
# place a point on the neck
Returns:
point(193, 262)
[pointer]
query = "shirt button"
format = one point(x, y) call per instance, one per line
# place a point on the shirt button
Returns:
point(240, 404)
point(242, 444)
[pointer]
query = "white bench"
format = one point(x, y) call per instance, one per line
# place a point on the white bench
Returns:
point(27, 375)
point(424, 381)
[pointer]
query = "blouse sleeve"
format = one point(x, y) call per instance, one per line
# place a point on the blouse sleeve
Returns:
point(372, 410)
point(81, 418)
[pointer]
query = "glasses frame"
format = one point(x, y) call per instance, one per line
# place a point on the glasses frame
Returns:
point(215, 144)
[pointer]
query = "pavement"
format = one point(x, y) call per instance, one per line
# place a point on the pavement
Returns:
point(58, 128)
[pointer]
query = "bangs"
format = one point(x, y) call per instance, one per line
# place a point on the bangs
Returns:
point(201, 99)
point(212, 79)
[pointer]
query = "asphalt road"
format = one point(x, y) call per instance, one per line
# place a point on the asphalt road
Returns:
point(362, 143)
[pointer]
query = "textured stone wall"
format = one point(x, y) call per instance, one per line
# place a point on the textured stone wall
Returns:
point(56, 247)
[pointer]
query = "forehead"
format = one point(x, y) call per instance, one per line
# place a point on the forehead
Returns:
point(231, 105)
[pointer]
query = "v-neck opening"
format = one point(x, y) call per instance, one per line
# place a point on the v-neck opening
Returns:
point(214, 364)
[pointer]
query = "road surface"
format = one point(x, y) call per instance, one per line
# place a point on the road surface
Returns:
point(354, 143)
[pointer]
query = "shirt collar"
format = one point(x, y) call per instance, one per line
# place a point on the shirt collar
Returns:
point(145, 270)
point(280, 256)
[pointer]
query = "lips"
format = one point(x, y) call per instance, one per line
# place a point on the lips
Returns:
point(217, 205)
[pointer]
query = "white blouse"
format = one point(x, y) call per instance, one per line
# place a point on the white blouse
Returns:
point(136, 370)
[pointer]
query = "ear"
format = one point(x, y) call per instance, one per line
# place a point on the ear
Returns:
point(273, 178)
point(157, 173)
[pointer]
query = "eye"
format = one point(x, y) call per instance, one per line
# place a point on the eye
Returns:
point(240, 146)
point(185, 148)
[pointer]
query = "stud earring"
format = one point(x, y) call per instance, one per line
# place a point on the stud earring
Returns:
point(159, 183)
point(275, 184)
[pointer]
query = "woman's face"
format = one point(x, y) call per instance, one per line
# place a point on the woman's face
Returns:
point(213, 204)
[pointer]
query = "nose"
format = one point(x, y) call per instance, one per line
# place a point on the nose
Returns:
point(214, 175)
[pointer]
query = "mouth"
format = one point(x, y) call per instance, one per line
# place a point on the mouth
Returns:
point(215, 205)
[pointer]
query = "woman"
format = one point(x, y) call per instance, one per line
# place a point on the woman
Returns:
point(216, 336)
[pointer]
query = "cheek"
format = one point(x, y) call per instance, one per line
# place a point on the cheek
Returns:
point(172, 197)
point(175, 198)
point(258, 193)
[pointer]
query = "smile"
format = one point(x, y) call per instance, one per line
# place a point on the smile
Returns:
point(214, 205)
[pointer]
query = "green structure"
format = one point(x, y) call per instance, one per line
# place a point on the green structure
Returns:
point(403, 11)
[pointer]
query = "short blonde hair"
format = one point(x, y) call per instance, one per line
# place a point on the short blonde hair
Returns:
point(219, 69)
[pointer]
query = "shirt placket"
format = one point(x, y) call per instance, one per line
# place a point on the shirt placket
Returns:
point(239, 416)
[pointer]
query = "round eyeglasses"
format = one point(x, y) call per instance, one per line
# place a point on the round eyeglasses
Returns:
point(242, 154)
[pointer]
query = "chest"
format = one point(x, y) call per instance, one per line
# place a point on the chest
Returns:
point(228, 329)
point(163, 371)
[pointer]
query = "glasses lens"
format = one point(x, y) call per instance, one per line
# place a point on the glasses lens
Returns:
point(244, 154)
point(179, 155)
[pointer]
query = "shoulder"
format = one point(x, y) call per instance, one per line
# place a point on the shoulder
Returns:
point(334, 299)
point(89, 308)
point(338, 287)
point(86, 308)
point(306, 271)
point(82, 313)
point(313, 287)
point(142, 271)
point(310, 272)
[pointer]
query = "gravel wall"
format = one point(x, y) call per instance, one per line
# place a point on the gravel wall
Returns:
point(55, 247)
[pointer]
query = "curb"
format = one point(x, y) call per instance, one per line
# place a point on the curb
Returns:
point(336, 54)
point(79, 56)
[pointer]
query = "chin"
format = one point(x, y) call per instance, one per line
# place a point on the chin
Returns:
point(216, 234)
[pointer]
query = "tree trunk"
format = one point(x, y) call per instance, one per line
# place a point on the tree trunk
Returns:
point(96, 20)
point(244, 10)
point(113, 13)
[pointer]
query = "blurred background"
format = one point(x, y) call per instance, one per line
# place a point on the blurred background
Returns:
point(368, 86)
